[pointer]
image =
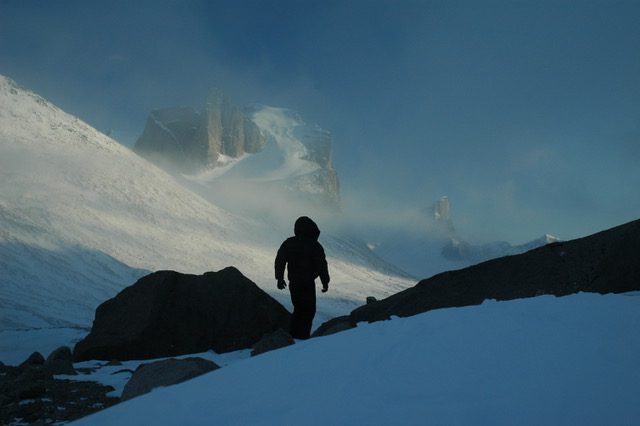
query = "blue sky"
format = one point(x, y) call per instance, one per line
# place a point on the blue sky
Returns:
point(526, 114)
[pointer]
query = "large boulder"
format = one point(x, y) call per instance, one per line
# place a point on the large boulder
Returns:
point(606, 262)
point(165, 373)
point(168, 313)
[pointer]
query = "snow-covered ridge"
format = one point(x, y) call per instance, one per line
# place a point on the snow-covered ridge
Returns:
point(544, 360)
point(82, 216)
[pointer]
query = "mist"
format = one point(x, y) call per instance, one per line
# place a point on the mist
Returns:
point(524, 113)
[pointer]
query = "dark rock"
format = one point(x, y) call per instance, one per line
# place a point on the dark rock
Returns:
point(60, 366)
point(60, 362)
point(167, 313)
point(31, 391)
point(606, 262)
point(37, 398)
point(276, 340)
point(371, 299)
point(113, 363)
point(335, 325)
point(35, 358)
point(164, 373)
point(63, 353)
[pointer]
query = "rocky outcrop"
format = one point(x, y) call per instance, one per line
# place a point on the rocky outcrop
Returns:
point(165, 373)
point(606, 262)
point(167, 313)
point(188, 140)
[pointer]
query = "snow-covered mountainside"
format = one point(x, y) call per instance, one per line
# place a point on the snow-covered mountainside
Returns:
point(82, 216)
point(539, 361)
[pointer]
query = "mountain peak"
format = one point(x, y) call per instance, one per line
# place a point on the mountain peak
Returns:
point(218, 141)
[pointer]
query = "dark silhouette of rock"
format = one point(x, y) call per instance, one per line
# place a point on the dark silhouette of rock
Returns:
point(335, 325)
point(165, 373)
point(167, 313)
point(271, 341)
point(35, 358)
point(60, 361)
point(61, 354)
point(606, 262)
point(371, 299)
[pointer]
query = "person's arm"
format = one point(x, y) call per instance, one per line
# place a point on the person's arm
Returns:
point(279, 265)
point(322, 268)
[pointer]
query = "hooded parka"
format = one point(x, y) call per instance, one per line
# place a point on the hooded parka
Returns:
point(305, 261)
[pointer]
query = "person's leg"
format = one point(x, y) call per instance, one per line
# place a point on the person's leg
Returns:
point(303, 297)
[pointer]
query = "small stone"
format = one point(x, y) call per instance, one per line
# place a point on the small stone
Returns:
point(276, 340)
point(371, 299)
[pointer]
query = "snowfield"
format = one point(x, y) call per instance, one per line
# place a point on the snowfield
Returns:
point(546, 360)
point(82, 216)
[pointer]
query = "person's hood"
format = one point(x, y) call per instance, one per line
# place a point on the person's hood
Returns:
point(306, 228)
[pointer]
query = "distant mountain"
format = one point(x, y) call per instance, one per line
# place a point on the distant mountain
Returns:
point(429, 243)
point(263, 148)
point(605, 262)
point(457, 249)
point(82, 216)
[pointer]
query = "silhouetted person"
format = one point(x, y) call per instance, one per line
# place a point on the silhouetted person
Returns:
point(305, 260)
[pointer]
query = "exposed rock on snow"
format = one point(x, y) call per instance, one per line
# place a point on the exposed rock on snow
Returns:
point(606, 262)
point(271, 341)
point(34, 359)
point(165, 373)
point(60, 361)
point(168, 313)
point(30, 392)
point(335, 325)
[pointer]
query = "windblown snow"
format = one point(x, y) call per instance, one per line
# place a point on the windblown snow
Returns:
point(82, 216)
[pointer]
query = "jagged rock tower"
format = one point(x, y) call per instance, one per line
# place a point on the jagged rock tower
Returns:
point(188, 141)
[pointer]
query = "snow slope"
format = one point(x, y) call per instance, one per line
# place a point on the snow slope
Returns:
point(546, 360)
point(82, 216)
